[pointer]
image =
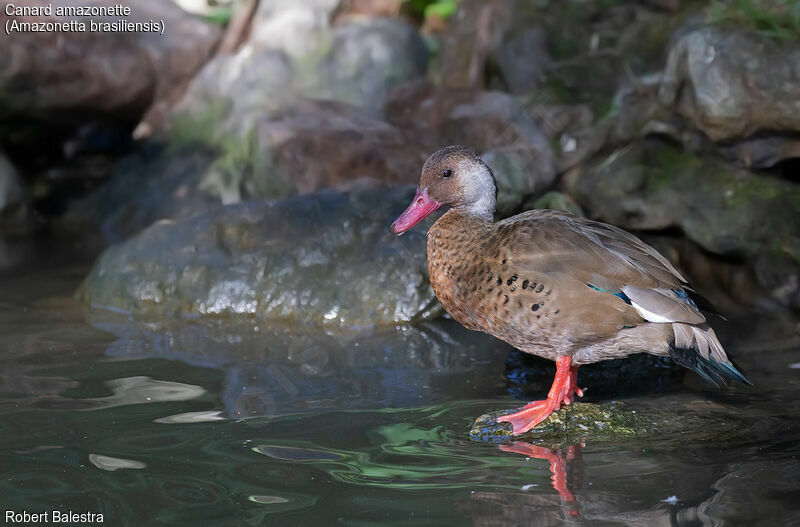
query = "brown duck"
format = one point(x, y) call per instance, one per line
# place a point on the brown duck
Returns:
point(559, 286)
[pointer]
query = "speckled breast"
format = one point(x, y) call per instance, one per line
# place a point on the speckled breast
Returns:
point(449, 272)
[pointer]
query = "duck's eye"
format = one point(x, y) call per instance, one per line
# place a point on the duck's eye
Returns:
point(447, 173)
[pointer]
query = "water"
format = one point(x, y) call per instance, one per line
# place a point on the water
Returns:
point(222, 424)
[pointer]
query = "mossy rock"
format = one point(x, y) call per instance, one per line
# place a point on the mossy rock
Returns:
point(668, 421)
point(569, 424)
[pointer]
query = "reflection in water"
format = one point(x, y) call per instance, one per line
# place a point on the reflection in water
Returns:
point(275, 374)
point(143, 390)
point(558, 466)
point(699, 505)
point(422, 450)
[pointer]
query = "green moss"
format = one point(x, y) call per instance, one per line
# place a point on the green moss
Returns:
point(197, 128)
point(558, 91)
point(565, 48)
point(777, 19)
point(241, 163)
point(667, 165)
point(220, 16)
point(426, 9)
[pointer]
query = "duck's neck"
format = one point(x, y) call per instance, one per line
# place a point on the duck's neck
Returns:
point(462, 224)
point(482, 209)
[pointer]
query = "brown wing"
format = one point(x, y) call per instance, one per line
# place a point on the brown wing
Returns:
point(600, 254)
point(586, 264)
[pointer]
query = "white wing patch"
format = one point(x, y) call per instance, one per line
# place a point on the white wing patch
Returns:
point(662, 305)
point(649, 315)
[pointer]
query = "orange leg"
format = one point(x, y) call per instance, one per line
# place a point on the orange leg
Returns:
point(573, 389)
point(564, 390)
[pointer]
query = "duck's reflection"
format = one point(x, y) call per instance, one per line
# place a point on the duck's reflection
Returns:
point(559, 460)
point(569, 467)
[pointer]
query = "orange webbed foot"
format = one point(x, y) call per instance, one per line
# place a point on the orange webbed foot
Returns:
point(563, 391)
point(534, 413)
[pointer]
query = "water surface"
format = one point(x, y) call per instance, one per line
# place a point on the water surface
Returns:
point(172, 423)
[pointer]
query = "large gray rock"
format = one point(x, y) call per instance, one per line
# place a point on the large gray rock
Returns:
point(650, 185)
point(732, 83)
point(325, 260)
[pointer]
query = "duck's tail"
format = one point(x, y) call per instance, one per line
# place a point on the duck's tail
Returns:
point(697, 348)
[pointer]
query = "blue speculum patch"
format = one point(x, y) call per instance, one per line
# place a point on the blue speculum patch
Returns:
point(683, 295)
point(621, 295)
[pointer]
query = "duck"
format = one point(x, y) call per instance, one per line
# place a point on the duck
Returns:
point(556, 285)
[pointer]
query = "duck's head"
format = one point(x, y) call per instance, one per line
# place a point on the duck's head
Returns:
point(455, 177)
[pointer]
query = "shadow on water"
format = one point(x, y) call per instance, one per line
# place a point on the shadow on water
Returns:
point(185, 423)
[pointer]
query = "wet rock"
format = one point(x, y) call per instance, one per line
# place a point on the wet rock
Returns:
point(576, 420)
point(45, 78)
point(493, 123)
point(299, 148)
point(650, 185)
point(615, 421)
point(325, 260)
point(732, 83)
